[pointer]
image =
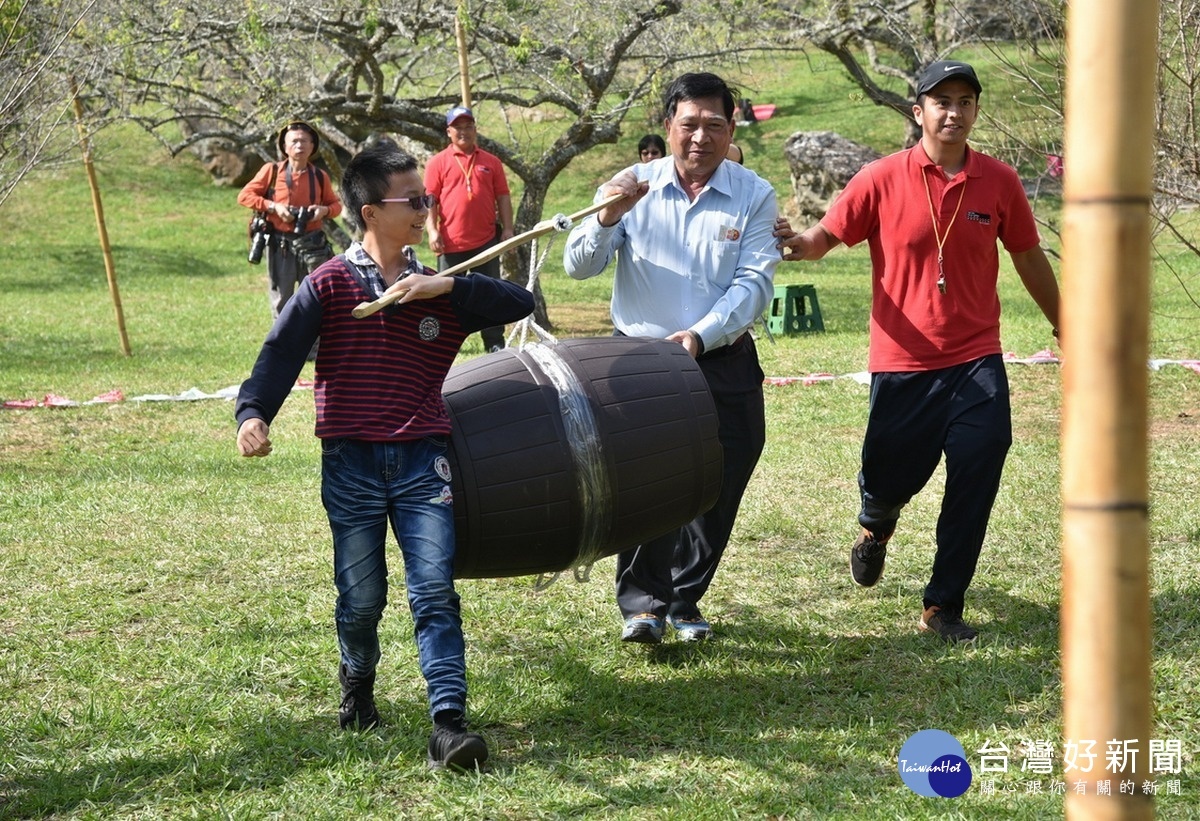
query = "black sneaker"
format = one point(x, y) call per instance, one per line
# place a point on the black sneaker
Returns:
point(951, 629)
point(358, 701)
point(644, 628)
point(694, 628)
point(452, 745)
point(866, 559)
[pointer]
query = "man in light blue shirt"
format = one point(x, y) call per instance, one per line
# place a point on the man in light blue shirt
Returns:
point(696, 258)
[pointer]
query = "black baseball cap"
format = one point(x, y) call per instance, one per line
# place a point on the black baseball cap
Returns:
point(944, 70)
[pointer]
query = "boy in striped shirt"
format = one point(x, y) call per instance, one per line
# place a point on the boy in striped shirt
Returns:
point(384, 432)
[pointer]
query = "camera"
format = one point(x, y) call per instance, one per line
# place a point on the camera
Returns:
point(302, 214)
point(260, 231)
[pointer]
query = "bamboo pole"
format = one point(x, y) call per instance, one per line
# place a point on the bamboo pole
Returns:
point(1112, 55)
point(98, 207)
point(464, 75)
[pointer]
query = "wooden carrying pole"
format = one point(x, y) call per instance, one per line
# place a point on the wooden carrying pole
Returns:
point(1112, 56)
point(98, 207)
point(558, 223)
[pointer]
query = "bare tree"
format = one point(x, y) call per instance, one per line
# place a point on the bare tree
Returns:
point(554, 78)
point(1028, 131)
point(39, 55)
point(1177, 118)
point(882, 46)
point(1177, 114)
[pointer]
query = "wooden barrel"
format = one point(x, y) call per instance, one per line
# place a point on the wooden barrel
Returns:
point(567, 452)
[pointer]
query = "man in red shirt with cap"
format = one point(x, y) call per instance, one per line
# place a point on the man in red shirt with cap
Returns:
point(473, 209)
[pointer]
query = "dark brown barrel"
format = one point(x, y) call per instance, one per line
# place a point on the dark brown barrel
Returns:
point(563, 453)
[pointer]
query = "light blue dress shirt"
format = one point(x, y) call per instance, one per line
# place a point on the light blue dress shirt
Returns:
point(705, 265)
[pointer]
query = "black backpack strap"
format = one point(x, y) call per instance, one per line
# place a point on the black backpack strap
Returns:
point(271, 184)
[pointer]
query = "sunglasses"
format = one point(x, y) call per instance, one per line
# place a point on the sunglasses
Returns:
point(421, 203)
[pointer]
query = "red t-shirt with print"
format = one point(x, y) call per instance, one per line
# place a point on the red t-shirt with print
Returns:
point(466, 187)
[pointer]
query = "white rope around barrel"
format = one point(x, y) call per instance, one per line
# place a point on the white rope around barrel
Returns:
point(527, 326)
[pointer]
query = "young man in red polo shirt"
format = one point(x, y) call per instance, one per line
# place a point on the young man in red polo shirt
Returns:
point(932, 216)
point(473, 209)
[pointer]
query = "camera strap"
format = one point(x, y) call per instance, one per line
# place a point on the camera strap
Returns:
point(312, 183)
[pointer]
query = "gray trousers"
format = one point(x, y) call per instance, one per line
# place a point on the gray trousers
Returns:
point(290, 258)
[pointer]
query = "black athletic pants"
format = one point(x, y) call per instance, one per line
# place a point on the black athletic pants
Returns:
point(963, 412)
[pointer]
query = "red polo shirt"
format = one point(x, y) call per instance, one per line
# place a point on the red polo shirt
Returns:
point(466, 186)
point(913, 326)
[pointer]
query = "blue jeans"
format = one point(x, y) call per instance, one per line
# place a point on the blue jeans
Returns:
point(364, 485)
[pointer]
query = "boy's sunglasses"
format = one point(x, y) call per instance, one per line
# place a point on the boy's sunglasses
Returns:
point(421, 203)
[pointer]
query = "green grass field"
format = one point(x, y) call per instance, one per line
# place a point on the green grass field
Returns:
point(166, 634)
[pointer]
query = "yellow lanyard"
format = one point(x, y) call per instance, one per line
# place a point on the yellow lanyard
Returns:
point(466, 172)
point(941, 238)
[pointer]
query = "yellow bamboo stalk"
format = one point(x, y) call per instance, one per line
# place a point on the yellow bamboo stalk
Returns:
point(1106, 637)
point(464, 74)
point(98, 207)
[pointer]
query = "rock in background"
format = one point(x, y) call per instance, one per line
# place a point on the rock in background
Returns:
point(822, 162)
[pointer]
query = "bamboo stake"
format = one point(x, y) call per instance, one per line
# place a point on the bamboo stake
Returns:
point(460, 34)
point(98, 207)
point(558, 223)
point(1106, 639)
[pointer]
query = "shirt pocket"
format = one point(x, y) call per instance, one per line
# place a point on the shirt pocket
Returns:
point(718, 260)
